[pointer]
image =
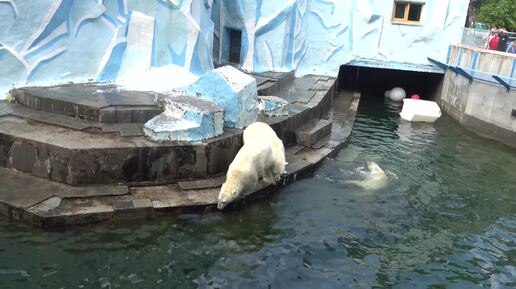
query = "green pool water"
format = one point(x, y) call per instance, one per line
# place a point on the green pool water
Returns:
point(446, 219)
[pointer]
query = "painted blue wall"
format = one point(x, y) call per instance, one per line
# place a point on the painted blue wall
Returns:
point(55, 41)
point(317, 36)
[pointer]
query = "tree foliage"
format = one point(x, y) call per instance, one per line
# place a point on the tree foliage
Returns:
point(501, 13)
point(473, 7)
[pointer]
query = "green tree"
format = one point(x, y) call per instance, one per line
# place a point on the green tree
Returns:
point(501, 13)
point(473, 7)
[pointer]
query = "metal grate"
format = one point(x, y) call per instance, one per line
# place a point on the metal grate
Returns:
point(235, 44)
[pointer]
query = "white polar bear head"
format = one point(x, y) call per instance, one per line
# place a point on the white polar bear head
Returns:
point(374, 168)
point(228, 193)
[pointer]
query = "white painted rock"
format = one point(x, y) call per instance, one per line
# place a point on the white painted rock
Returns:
point(161, 79)
point(269, 105)
point(186, 118)
point(397, 94)
point(420, 110)
point(231, 89)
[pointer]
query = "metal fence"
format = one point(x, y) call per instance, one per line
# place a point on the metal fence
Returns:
point(474, 37)
point(478, 37)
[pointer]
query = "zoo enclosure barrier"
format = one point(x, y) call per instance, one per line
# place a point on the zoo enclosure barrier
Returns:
point(478, 37)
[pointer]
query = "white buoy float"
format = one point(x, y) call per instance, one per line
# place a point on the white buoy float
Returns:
point(420, 110)
point(397, 94)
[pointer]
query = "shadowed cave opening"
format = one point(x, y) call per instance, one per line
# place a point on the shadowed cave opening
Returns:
point(373, 82)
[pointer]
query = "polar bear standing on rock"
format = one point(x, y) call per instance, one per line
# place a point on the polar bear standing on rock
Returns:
point(261, 156)
point(260, 131)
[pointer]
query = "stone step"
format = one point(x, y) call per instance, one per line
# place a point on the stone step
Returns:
point(313, 131)
point(270, 83)
point(340, 107)
point(46, 117)
point(102, 103)
point(77, 158)
point(123, 129)
point(23, 191)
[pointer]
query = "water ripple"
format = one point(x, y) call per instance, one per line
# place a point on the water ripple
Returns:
point(446, 219)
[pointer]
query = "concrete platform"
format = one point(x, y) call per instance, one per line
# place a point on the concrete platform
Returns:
point(79, 152)
point(104, 103)
point(150, 178)
point(23, 191)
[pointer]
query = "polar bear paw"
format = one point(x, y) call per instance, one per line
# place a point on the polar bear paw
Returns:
point(269, 180)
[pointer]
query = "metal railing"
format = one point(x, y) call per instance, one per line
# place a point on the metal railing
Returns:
point(507, 82)
point(478, 37)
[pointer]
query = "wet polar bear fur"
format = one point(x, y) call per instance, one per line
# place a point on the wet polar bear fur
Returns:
point(375, 179)
point(260, 131)
point(261, 156)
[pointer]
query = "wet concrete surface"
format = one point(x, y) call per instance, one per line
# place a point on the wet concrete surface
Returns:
point(59, 175)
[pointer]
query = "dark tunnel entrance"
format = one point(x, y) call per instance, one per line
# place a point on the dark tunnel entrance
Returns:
point(373, 82)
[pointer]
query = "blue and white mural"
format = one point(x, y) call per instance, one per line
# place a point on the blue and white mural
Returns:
point(317, 36)
point(54, 41)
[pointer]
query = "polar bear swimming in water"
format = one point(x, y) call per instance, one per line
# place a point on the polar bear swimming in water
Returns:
point(376, 178)
point(261, 156)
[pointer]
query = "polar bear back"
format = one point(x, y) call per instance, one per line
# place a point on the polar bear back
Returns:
point(262, 132)
point(253, 158)
point(258, 131)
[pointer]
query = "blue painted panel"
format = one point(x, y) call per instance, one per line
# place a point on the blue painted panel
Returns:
point(70, 40)
point(398, 66)
point(474, 62)
point(459, 59)
point(489, 77)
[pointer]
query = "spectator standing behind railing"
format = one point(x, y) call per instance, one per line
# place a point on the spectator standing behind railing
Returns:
point(503, 37)
point(512, 47)
point(493, 42)
point(490, 36)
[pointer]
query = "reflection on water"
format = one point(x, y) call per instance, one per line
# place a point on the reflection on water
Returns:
point(446, 219)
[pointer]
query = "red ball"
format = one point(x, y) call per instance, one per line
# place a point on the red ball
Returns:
point(415, 96)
